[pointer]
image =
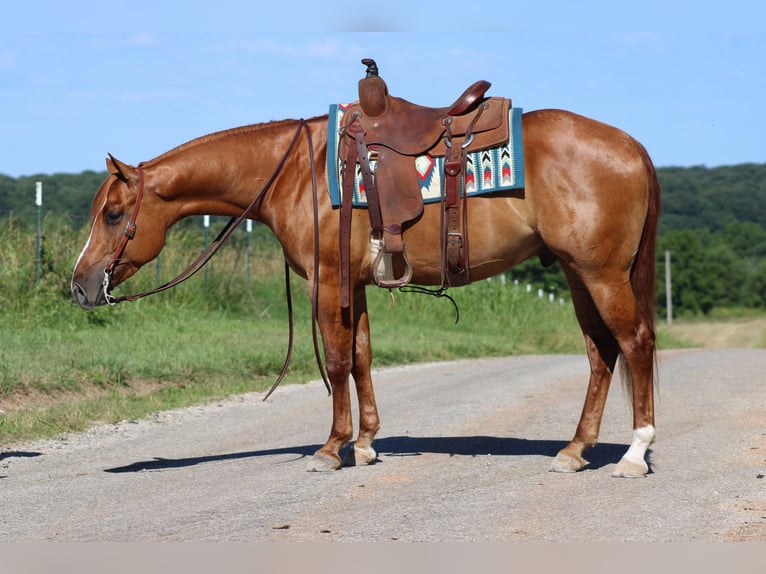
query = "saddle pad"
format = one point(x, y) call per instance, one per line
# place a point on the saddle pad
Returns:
point(487, 171)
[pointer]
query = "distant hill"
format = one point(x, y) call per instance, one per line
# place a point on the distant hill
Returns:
point(711, 198)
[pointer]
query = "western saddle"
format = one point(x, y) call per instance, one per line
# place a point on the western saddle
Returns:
point(382, 137)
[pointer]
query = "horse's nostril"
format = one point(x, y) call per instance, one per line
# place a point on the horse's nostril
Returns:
point(80, 295)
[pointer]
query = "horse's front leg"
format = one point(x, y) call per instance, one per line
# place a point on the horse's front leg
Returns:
point(369, 422)
point(346, 339)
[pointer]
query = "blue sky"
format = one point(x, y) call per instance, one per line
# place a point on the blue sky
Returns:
point(80, 79)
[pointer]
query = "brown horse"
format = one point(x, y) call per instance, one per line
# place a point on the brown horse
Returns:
point(591, 201)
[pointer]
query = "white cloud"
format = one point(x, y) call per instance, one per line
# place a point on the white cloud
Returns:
point(143, 40)
point(8, 61)
point(155, 96)
point(650, 42)
point(320, 49)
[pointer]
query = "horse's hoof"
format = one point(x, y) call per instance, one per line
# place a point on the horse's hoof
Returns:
point(359, 456)
point(631, 468)
point(322, 463)
point(566, 463)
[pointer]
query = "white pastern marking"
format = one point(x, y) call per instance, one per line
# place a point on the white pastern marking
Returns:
point(642, 440)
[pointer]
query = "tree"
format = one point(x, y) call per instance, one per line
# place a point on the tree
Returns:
point(705, 271)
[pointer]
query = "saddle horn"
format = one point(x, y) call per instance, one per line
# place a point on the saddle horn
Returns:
point(372, 67)
point(373, 92)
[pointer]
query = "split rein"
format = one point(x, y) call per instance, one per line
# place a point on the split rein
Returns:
point(217, 243)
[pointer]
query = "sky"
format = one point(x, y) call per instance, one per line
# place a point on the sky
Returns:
point(136, 78)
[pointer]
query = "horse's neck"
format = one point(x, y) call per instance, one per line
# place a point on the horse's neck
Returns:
point(223, 173)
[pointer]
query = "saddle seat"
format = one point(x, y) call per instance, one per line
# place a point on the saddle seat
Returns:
point(394, 132)
point(412, 129)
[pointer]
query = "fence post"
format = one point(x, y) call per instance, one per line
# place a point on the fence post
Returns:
point(249, 227)
point(39, 204)
point(206, 223)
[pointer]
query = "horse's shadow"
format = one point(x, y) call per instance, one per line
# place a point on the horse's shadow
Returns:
point(16, 454)
point(599, 456)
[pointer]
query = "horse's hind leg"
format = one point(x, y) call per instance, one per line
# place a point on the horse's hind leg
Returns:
point(603, 350)
point(617, 305)
point(636, 338)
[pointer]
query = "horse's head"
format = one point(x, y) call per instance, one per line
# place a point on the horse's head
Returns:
point(128, 230)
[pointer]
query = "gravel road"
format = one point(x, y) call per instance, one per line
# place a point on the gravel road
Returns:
point(463, 452)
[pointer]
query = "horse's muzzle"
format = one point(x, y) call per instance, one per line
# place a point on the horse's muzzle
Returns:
point(80, 295)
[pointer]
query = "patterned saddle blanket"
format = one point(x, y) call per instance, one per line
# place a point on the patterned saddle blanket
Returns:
point(487, 171)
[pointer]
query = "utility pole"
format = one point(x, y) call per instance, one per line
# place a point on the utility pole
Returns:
point(668, 290)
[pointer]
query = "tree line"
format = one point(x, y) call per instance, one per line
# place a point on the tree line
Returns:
point(713, 223)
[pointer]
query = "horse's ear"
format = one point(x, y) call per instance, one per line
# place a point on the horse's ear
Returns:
point(120, 170)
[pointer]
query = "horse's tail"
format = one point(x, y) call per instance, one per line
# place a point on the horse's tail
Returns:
point(643, 276)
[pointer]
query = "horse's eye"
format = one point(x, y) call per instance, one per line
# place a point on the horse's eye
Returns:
point(112, 217)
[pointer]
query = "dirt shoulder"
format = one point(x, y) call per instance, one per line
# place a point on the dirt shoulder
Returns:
point(745, 333)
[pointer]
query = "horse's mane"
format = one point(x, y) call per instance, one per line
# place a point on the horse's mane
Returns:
point(215, 136)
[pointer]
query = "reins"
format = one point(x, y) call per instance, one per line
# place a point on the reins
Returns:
point(217, 243)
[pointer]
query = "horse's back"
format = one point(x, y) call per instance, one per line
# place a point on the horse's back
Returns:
point(577, 144)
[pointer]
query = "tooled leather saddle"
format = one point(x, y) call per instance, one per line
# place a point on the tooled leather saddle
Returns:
point(382, 135)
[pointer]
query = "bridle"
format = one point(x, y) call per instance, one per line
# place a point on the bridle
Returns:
point(130, 233)
point(217, 243)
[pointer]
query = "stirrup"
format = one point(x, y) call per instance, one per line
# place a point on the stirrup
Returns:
point(383, 265)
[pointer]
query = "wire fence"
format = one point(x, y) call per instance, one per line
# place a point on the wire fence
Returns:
point(206, 227)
